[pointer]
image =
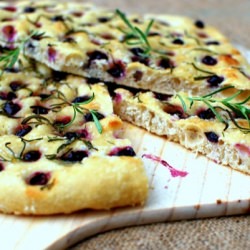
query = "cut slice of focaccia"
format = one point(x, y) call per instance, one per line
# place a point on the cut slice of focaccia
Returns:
point(60, 146)
point(196, 128)
point(161, 53)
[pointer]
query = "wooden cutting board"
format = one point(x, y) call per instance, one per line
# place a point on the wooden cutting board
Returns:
point(206, 190)
point(191, 187)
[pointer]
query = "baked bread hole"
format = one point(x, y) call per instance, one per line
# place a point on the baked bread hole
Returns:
point(16, 85)
point(212, 136)
point(7, 96)
point(38, 178)
point(192, 136)
point(11, 108)
point(31, 156)
point(74, 156)
point(126, 151)
point(22, 130)
point(174, 110)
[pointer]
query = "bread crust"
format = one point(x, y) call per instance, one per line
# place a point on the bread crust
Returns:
point(46, 169)
point(96, 183)
point(182, 57)
point(144, 110)
point(91, 42)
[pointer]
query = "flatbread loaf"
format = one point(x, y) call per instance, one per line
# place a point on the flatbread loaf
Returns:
point(161, 53)
point(60, 146)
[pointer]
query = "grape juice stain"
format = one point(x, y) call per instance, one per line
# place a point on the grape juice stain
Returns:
point(173, 171)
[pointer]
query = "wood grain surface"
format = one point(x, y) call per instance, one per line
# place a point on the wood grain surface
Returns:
point(232, 18)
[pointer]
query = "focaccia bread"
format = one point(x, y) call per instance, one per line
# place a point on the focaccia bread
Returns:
point(161, 53)
point(59, 142)
point(60, 146)
point(196, 128)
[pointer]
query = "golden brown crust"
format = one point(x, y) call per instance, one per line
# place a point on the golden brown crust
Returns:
point(96, 183)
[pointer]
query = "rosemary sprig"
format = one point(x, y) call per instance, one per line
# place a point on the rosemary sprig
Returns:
point(202, 70)
point(205, 50)
point(14, 155)
point(77, 108)
point(135, 34)
point(64, 146)
point(96, 121)
point(36, 119)
point(192, 37)
point(49, 185)
point(11, 56)
point(232, 110)
point(56, 138)
point(198, 78)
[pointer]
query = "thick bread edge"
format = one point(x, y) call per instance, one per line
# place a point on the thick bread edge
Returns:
point(97, 183)
point(189, 133)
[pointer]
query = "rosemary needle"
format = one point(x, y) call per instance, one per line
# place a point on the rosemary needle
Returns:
point(138, 36)
point(77, 108)
point(232, 108)
point(11, 56)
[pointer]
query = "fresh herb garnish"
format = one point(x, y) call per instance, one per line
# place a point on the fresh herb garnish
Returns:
point(63, 146)
point(96, 121)
point(77, 108)
point(74, 31)
point(208, 73)
point(36, 119)
point(14, 155)
point(11, 56)
point(56, 138)
point(89, 145)
point(231, 110)
point(205, 50)
point(136, 36)
point(192, 37)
